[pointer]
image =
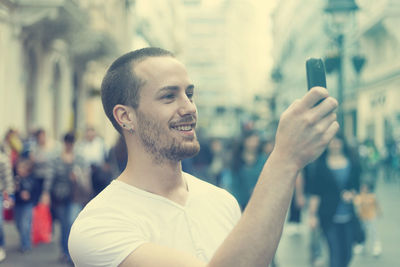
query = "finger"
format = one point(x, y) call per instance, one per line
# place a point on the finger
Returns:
point(325, 108)
point(330, 132)
point(323, 125)
point(315, 95)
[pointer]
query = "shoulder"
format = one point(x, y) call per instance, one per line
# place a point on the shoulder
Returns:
point(214, 197)
point(201, 187)
point(104, 234)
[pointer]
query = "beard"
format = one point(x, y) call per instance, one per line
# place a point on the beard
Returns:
point(160, 142)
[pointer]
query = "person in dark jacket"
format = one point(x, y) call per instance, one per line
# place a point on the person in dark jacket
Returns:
point(334, 184)
point(71, 190)
point(247, 163)
point(24, 202)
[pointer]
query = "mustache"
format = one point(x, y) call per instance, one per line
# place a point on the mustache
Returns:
point(186, 119)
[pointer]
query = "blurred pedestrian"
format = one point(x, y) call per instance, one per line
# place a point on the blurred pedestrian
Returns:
point(199, 164)
point(391, 160)
point(370, 160)
point(247, 162)
point(335, 182)
point(218, 161)
point(317, 239)
point(24, 202)
point(94, 151)
point(12, 146)
point(368, 209)
point(6, 192)
point(42, 154)
point(117, 158)
point(71, 190)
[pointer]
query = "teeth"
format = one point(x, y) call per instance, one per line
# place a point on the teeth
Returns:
point(183, 128)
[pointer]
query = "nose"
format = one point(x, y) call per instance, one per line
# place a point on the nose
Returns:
point(187, 106)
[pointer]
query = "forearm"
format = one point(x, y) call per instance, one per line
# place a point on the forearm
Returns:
point(254, 240)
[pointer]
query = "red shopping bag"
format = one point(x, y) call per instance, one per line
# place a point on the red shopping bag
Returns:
point(8, 211)
point(8, 214)
point(41, 224)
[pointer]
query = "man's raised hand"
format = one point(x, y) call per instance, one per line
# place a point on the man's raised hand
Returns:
point(306, 127)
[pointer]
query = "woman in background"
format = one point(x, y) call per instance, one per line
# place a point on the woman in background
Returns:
point(247, 163)
point(41, 155)
point(334, 184)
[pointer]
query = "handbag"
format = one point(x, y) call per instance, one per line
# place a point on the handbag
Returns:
point(8, 211)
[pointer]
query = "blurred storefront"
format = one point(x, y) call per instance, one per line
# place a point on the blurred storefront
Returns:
point(46, 46)
point(55, 53)
point(370, 62)
point(379, 89)
point(295, 40)
point(36, 70)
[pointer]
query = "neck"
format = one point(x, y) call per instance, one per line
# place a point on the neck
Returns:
point(164, 179)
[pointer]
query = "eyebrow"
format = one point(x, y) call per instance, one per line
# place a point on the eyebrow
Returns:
point(174, 88)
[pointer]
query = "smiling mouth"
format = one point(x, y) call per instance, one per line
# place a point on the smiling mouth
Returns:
point(184, 128)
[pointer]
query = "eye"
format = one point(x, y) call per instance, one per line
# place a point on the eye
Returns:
point(169, 96)
point(190, 94)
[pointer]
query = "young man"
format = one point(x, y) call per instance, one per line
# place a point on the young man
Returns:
point(154, 214)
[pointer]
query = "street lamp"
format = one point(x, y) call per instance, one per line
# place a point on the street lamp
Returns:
point(340, 13)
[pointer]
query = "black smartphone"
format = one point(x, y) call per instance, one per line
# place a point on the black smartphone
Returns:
point(315, 73)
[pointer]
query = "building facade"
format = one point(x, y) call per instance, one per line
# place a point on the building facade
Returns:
point(379, 87)
point(36, 70)
point(370, 62)
point(298, 33)
point(55, 53)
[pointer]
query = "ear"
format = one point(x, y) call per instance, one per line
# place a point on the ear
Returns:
point(125, 116)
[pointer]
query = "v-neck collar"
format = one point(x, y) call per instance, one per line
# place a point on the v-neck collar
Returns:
point(187, 180)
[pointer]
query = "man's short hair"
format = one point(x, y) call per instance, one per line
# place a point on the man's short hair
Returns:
point(121, 85)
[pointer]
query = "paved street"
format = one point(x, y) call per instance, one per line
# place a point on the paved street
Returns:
point(292, 252)
point(43, 255)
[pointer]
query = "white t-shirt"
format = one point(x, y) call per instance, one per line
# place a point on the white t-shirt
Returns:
point(123, 217)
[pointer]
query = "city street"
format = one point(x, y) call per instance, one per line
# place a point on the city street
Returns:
point(292, 251)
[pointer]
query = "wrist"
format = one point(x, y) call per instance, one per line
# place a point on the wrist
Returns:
point(282, 161)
